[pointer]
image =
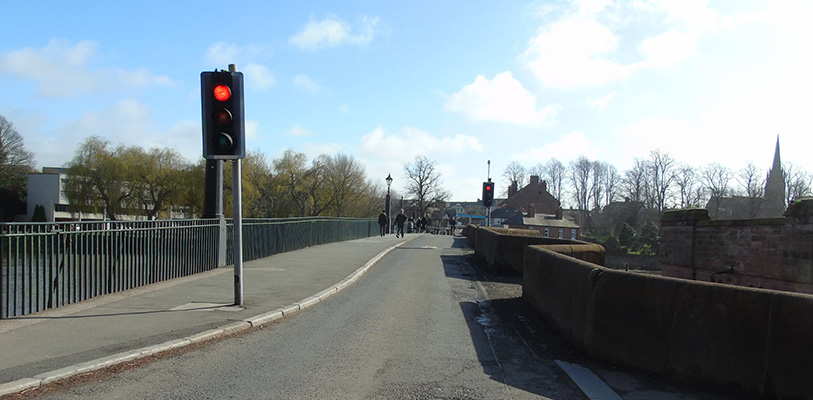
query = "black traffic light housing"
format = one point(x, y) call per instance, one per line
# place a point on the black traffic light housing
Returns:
point(488, 194)
point(223, 117)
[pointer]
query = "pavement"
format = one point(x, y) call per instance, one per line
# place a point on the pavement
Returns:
point(56, 344)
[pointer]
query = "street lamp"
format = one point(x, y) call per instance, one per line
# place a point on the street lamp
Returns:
point(387, 206)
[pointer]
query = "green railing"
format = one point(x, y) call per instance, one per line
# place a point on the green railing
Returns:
point(48, 265)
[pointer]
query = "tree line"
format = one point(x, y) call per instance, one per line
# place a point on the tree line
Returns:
point(658, 182)
point(117, 179)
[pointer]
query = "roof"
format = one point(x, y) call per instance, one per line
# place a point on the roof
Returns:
point(503, 212)
point(470, 216)
point(545, 220)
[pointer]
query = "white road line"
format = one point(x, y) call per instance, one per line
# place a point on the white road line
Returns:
point(592, 386)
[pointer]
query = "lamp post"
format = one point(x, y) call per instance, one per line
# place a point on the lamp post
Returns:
point(387, 205)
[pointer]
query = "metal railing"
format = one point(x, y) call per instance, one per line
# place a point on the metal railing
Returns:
point(48, 265)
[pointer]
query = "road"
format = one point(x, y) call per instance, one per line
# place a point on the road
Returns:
point(424, 323)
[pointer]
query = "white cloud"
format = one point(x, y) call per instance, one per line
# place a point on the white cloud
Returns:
point(333, 31)
point(502, 99)
point(410, 142)
point(303, 81)
point(668, 49)
point(581, 46)
point(62, 70)
point(568, 148)
point(674, 137)
point(221, 54)
point(601, 103)
point(298, 131)
point(571, 53)
point(258, 76)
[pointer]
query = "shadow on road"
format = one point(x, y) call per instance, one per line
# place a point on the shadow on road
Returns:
point(514, 345)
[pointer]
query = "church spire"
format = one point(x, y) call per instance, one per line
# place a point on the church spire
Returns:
point(775, 187)
point(777, 163)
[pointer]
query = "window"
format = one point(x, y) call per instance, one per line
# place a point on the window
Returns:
point(573, 234)
point(547, 232)
point(561, 233)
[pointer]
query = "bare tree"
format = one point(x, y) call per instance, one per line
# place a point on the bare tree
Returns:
point(580, 174)
point(554, 173)
point(751, 181)
point(687, 181)
point(424, 184)
point(634, 182)
point(661, 177)
point(515, 172)
point(798, 182)
point(597, 183)
point(716, 179)
point(611, 183)
point(15, 164)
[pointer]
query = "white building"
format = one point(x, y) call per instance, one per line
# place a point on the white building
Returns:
point(47, 189)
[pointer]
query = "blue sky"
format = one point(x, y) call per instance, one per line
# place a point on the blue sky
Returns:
point(459, 82)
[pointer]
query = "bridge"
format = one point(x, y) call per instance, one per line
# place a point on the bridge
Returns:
point(169, 309)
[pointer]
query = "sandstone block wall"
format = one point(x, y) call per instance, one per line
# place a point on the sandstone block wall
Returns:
point(746, 340)
point(773, 254)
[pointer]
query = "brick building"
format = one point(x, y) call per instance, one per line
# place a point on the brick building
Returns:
point(535, 208)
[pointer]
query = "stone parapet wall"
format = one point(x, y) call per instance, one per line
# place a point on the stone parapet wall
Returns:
point(774, 254)
point(742, 340)
point(503, 248)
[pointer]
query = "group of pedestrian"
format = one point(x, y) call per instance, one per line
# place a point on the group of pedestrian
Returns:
point(421, 224)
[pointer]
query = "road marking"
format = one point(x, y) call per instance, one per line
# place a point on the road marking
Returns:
point(207, 307)
point(592, 386)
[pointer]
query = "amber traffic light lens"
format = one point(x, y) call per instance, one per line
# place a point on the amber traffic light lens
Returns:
point(222, 116)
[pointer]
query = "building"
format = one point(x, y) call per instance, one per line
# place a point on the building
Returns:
point(47, 190)
point(533, 207)
point(534, 195)
point(549, 225)
point(772, 205)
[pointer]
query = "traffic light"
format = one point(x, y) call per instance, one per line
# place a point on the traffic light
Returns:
point(222, 115)
point(488, 194)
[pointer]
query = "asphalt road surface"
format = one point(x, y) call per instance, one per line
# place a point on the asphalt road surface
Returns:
point(425, 323)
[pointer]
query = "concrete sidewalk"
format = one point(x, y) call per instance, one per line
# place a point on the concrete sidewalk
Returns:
point(48, 346)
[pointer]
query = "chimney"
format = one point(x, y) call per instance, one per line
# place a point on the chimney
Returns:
point(559, 213)
point(531, 210)
point(544, 186)
point(534, 180)
point(512, 190)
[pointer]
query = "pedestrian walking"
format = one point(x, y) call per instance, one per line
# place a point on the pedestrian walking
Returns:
point(399, 223)
point(382, 222)
point(452, 224)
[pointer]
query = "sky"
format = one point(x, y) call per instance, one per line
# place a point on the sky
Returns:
point(459, 82)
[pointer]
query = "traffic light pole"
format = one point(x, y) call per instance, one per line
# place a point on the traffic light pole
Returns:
point(238, 231)
point(221, 218)
point(237, 185)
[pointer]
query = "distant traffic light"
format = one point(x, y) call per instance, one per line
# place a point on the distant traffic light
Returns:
point(222, 115)
point(488, 194)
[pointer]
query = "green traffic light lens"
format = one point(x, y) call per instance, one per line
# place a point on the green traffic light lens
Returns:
point(224, 141)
